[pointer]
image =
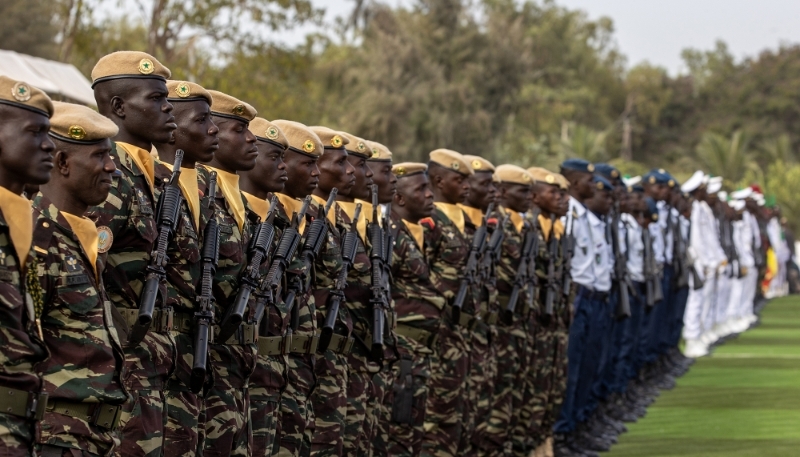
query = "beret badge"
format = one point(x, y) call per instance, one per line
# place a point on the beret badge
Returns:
point(476, 164)
point(652, 180)
point(146, 66)
point(550, 179)
point(375, 152)
point(21, 92)
point(614, 174)
point(76, 132)
point(308, 146)
point(455, 165)
point(272, 133)
point(400, 171)
point(336, 141)
point(590, 167)
point(238, 109)
point(361, 146)
point(183, 90)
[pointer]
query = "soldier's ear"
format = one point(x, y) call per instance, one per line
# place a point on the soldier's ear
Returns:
point(399, 200)
point(61, 161)
point(118, 106)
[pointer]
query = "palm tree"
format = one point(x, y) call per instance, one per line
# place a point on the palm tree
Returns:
point(580, 141)
point(777, 150)
point(730, 157)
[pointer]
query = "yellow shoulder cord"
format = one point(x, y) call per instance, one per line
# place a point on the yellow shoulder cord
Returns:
point(37, 294)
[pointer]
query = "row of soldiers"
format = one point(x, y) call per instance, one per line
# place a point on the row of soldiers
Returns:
point(198, 280)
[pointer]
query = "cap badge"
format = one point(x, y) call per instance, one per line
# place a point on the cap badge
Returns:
point(655, 217)
point(308, 146)
point(599, 186)
point(336, 141)
point(614, 174)
point(550, 179)
point(146, 66)
point(272, 133)
point(400, 171)
point(76, 132)
point(455, 165)
point(652, 180)
point(375, 153)
point(671, 183)
point(361, 146)
point(183, 90)
point(21, 92)
point(590, 167)
point(238, 109)
point(661, 170)
point(476, 164)
point(526, 177)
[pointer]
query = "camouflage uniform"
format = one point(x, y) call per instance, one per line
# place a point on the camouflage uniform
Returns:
point(82, 372)
point(21, 345)
point(330, 395)
point(419, 307)
point(446, 249)
point(232, 362)
point(511, 349)
point(269, 377)
point(483, 354)
point(127, 220)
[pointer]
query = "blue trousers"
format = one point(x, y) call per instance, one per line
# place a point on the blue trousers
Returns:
point(625, 366)
point(597, 342)
point(602, 386)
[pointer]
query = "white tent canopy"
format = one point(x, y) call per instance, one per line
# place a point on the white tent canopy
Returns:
point(53, 77)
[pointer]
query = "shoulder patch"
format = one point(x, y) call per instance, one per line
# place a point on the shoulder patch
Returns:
point(104, 239)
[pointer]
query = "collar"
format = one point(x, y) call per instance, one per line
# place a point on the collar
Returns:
point(88, 237)
point(229, 185)
point(547, 226)
point(417, 233)
point(517, 219)
point(321, 203)
point(349, 208)
point(475, 215)
point(187, 181)
point(257, 205)
point(292, 206)
point(16, 211)
point(454, 213)
point(366, 211)
point(143, 159)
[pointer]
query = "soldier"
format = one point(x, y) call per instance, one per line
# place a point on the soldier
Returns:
point(299, 345)
point(330, 396)
point(483, 354)
point(130, 89)
point(196, 136)
point(76, 315)
point(447, 248)
point(418, 307)
point(232, 362)
point(268, 380)
point(25, 159)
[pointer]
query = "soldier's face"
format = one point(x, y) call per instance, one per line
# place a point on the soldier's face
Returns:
point(302, 174)
point(147, 113)
point(547, 197)
point(86, 171)
point(482, 190)
point(415, 195)
point(585, 185)
point(517, 197)
point(25, 148)
point(237, 146)
point(363, 177)
point(336, 171)
point(270, 168)
point(383, 177)
point(196, 133)
point(453, 186)
point(563, 203)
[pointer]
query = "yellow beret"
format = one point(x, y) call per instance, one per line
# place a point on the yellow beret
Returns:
point(562, 181)
point(300, 138)
point(231, 107)
point(380, 153)
point(451, 160)
point(513, 174)
point(80, 124)
point(330, 138)
point(128, 64)
point(265, 130)
point(22, 95)
point(357, 146)
point(406, 169)
point(543, 176)
point(185, 91)
point(479, 163)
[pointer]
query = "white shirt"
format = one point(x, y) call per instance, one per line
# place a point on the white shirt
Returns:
point(743, 242)
point(704, 240)
point(577, 221)
point(603, 259)
point(635, 249)
point(657, 236)
point(667, 227)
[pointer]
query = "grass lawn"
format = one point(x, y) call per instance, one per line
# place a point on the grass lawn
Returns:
point(742, 401)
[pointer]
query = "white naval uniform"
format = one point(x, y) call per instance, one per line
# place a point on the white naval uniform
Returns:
point(750, 239)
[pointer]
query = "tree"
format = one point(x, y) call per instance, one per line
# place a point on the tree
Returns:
point(730, 158)
point(26, 26)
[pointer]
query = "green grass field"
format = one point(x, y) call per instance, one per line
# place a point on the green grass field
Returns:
point(742, 401)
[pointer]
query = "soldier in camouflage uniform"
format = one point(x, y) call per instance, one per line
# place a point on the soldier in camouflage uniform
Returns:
point(26, 159)
point(197, 137)
point(269, 379)
point(419, 306)
point(512, 345)
point(378, 412)
point(81, 374)
point(130, 89)
point(297, 414)
point(227, 404)
point(330, 397)
point(447, 248)
point(549, 345)
point(483, 360)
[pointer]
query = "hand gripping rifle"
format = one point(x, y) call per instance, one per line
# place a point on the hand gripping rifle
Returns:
point(204, 316)
point(316, 233)
point(521, 280)
point(470, 278)
point(379, 256)
point(568, 241)
point(622, 281)
point(653, 291)
point(169, 205)
point(349, 246)
point(258, 251)
point(283, 255)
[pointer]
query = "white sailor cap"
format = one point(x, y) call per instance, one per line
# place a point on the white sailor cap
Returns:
point(738, 205)
point(714, 184)
point(759, 198)
point(693, 183)
point(632, 181)
point(722, 195)
point(741, 194)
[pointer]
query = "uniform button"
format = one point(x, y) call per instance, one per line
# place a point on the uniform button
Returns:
point(45, 224)
point(165, 179)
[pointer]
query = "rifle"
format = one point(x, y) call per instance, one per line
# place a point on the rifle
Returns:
point(654, 293)
point(258, 251)
point(204, 316)
point(621, 279)
point(679, 254)
point(169, 205)
point(283, 255)
point(316, 233)
point(569, 250)
point(349, 245)
point(521, 279)
point(552, 281)
point(470, 277)
point(380, 256)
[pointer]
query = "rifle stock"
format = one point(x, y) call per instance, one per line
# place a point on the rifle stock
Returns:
point(476, 251)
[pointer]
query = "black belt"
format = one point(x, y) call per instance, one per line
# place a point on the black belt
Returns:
point(20, 403)
point(589, 294)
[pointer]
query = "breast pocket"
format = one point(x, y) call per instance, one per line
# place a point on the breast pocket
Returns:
point(76, 293)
